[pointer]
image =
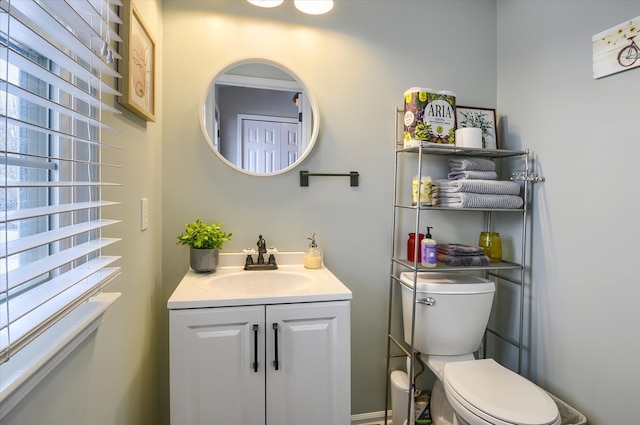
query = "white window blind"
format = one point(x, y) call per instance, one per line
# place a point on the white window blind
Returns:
point(57, 79)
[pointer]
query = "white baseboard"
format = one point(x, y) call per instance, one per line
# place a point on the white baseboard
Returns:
point(371, 418)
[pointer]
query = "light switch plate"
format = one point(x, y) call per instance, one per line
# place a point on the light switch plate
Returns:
point(144, 213)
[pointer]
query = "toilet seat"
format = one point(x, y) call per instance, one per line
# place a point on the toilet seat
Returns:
point(483, 389)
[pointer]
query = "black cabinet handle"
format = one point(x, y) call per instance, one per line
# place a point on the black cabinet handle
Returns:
point(275, 335)
point(255, 348)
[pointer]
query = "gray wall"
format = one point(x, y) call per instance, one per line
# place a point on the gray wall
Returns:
point(358, 61)
point(531, 60)
point(585, 137)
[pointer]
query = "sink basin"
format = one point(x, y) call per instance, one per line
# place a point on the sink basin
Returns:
point(258, 283)
point(230, 285)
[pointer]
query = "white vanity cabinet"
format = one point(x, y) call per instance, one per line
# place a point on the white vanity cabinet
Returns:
point(211, 374)
point(273, 364)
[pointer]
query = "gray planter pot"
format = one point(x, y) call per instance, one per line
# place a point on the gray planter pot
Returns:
point(204, 260)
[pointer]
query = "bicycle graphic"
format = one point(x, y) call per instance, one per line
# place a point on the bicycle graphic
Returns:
point(629, 54)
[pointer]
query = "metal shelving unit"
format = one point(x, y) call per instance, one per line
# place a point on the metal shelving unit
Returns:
point(504, 270)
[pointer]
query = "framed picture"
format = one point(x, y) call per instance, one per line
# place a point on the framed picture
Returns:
point(616, 49)
point(137, 66)
point(482, 118)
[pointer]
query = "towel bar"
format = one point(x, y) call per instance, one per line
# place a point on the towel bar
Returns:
point(304, 177)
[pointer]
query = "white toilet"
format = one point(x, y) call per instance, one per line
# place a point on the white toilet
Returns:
point(451, 315)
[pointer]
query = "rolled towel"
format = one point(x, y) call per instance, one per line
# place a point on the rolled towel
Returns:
point(459, 250)
point(495, 187)
point(472, 174)
point(477, 164)
point(471, 260)
point(477, 200)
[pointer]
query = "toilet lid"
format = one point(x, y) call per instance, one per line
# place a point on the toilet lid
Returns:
point(448, 283)
point(492, 392)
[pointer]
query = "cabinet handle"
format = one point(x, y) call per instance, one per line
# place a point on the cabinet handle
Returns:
point(275, 337)
point(255, 348)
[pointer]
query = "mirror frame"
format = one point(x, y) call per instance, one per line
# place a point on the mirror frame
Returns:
point(312, 102)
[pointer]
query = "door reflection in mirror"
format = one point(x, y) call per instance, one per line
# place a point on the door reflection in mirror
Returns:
point(255, 126)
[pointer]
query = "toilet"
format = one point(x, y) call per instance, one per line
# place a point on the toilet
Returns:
point(452, 311)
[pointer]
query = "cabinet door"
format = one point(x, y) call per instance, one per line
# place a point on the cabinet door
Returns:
point(312, 381)
point(213, 376)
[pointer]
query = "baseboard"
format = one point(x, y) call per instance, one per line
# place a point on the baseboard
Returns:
point(371, 418)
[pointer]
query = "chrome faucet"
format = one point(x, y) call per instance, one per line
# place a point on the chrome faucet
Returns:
point(260, 263)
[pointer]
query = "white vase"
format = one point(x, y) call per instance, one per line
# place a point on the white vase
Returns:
point(204, 260)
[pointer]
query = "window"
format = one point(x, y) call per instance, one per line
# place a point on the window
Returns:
point(57, 74)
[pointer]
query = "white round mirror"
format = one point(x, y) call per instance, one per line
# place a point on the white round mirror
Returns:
point(259, 117)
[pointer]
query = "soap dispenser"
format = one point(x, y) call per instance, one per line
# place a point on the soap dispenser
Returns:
point(428, 250)
point(313, 256)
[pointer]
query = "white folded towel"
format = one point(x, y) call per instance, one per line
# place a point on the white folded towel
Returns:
point(477, 200)
point(466, 164)
point(472, 174)
point(496, 187)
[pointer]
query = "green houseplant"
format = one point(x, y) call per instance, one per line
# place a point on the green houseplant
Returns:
point(477, 120)
point(205, 241)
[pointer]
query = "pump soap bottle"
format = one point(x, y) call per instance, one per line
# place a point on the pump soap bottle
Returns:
point(428, 250)
point(313, 256)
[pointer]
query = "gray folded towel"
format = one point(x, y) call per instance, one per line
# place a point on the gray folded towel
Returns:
point(472, 174)
point(465, 164)
point(459, 250)
point(477, 200)
point(471, 260)
point(495, 187)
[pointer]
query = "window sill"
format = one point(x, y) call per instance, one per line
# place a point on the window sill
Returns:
point(34, 362)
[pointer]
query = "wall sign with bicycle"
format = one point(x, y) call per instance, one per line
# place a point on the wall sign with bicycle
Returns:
point(616, 49)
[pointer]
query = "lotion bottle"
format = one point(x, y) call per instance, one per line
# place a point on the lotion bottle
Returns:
point(312, 256)
point(428, 250)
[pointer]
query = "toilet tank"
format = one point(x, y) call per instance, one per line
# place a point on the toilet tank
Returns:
point(455, 321)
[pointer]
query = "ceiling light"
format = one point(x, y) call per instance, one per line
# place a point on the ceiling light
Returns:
point(266, 3)
point(314, 7)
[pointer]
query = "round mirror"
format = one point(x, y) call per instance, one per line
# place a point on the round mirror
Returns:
point(259, 117)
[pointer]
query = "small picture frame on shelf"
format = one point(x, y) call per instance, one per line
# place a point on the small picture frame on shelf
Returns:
point(483, 118)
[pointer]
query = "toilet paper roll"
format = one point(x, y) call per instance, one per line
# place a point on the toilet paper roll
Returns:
point(469, 137)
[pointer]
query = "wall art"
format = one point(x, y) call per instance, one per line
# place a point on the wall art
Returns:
point(137, 66)
point(616, 49)
point(482, 118)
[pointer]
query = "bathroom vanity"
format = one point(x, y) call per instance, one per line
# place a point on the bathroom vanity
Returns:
point(260, 347)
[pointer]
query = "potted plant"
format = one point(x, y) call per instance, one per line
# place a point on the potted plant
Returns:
point(205, 241)
point(477, 120)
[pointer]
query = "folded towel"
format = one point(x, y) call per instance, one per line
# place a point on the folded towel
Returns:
point(459, 250)
point(465, 164)
point(495, 187)
point(478, 175)
point(471, 260)
point(476, 200)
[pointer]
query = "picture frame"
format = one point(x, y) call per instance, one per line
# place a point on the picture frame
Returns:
point(484, 118)
point(137, 66)
point(616, 49)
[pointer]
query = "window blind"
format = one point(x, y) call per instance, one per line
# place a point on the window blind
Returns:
point(57, 79)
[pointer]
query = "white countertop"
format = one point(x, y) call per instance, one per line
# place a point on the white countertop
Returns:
point(230, 285)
